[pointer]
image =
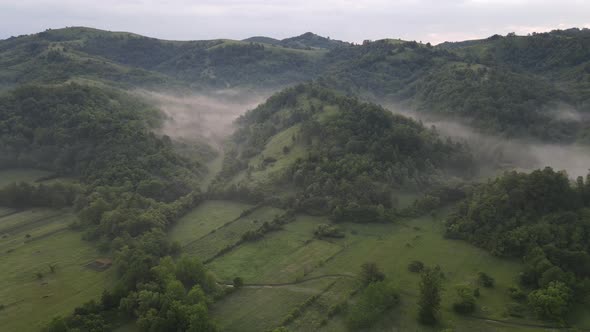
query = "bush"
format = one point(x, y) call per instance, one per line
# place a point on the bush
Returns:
point(486, 280)
point(238, 282)
point(516, 294)
point(325, 230)
point(416, 266)
point(465, 303)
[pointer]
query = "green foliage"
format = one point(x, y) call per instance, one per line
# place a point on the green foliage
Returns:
point(430, 296)
point(238, 282)
point(373, 302)
point(56, 195)
point(370, 273)
point(329, 231)
point(416, 266)
point(551, 302)
point(465, 302)
point(485, 280)
point(356, 152)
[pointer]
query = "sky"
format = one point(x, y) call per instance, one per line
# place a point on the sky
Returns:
point(432, 21)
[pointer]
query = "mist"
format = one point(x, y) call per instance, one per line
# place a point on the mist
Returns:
point(205, 116)
point(494, 153)
point(210, 116)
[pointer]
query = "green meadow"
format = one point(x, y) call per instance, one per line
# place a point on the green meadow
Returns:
point(43, 268)
point(285, 268)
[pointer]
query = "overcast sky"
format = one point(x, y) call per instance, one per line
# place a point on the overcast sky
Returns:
point(351, 20)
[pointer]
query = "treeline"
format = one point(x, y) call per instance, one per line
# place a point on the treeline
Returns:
point(356, 152)
point(55, 195)
point(544, 220)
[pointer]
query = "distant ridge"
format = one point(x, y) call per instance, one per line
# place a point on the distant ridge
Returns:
point(308, 40)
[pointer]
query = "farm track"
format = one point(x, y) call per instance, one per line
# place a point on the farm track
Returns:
point(25, 226)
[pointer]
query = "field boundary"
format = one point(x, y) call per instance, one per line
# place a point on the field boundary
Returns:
point(292, 283)
point(242, 215)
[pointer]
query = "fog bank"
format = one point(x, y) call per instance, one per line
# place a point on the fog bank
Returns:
point(204, 115)
point(494, 152)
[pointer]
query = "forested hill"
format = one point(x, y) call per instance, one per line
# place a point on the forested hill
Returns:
point(535, 86)
point(341, 155)
point(101, 136)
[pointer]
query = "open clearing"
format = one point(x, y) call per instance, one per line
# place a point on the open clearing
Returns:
point(31, 241)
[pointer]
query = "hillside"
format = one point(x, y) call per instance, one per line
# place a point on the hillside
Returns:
point(327, 147)
point(307, 40)
point(543, 89)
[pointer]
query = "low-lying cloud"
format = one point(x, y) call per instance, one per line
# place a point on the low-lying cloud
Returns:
point(207, 116)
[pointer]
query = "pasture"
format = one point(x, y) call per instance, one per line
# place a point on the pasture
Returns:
point(230, 233)
point(43, 268)
point(292, 259)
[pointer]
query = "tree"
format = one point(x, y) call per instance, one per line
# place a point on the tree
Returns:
point(430, 296)
point(370, 273)
point(377, 298)
point(551, 302)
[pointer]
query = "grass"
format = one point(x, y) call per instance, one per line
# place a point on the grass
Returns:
point(29, 301)
point(203, 219)
point(279, 257)
point(206, 247)
point(292, 255)
point(21, 175)
point(261, 309)
point(272, 172)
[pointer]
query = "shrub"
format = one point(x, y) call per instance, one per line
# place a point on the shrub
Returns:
point(238, 282)
point(486, 280)
point(465, 304)
point(416, 266)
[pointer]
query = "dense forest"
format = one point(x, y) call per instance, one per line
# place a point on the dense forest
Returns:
point(508, 85)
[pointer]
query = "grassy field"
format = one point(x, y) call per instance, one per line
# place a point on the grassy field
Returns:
point(30, 242)
point(283, 256)
point(21, 175)
point(292, 257)
point(262, 308)
point(203, 219)
point(209, 245)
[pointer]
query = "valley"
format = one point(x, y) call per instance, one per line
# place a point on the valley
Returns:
point(302, 184)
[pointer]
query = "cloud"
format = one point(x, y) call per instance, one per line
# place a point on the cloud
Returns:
point(426, 20)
